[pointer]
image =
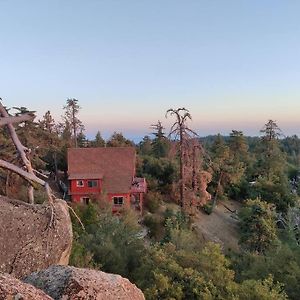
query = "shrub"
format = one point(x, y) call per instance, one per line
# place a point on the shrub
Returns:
point(208, 208)
point(153, 201)
point(258, 227)
point(155, 226)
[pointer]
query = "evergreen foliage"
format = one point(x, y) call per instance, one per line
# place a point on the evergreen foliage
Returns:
point(170, 262)
point(177, 268)
point(118, 140)
point(258, 228)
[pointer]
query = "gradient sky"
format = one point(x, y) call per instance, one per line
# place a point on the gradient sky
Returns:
point(234, 64)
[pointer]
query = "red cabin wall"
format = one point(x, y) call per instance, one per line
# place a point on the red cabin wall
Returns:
point(77, 192)
point(116, 208)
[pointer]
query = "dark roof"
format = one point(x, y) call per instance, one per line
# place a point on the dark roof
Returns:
point(116, 165)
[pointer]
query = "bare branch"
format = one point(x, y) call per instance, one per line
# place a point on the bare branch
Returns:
point(16, 119)
point(21, 149)
point(76, 216)
point(187, 115)
point(173, 126)
point(41, 174)
point(29, 177)
point(192, 131)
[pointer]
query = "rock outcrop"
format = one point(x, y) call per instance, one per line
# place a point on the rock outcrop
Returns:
point(64, 282)
point(27, 243)
point(13, 289)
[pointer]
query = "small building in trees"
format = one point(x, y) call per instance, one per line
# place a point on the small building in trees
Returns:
point(105, 174)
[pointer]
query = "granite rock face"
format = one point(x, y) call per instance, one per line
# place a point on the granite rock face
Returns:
point(14, 289)
point(27, 243)
point(65, 282)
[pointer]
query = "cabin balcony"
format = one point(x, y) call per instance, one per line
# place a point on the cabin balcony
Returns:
point(138, 185)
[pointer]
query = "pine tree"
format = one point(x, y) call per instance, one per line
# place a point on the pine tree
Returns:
point(52, 143)
point(98, 141)
point(258, 227)
point(272, 183)
point(227, 170)
point(118, 140)
point(71, 112)
point(160, 143)
point(271, 160)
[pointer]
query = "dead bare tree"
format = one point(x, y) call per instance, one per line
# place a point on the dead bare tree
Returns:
point(196, 177)
point(29, 173)
point(193, 178)
point(183, 133)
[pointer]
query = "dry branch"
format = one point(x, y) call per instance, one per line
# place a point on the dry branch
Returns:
point(16, 119)
point(21, 149)
point(41, 174)
point(76, 216)
point(29, 177)
point(27, 174)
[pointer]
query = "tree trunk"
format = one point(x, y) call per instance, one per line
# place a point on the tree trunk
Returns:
point(74, 127)
point(194, 183)
point(54, 156)
point(30, 193)
point(217, 191)
point(181, 169)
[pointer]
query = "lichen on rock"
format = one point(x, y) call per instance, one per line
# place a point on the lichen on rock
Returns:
point(27, 243)
point(65, 282)
point(14, 289)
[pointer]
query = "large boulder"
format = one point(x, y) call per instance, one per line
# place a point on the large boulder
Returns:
point(27, 242)
point(14, 289)
point(65, 282)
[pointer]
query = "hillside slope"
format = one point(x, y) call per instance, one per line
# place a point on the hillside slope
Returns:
point(221, 226)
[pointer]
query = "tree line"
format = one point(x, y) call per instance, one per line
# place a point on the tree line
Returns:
point(262, 173)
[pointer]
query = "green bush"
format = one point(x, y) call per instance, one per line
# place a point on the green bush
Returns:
point(208, 208)
point(257, 225)
point(155, 226)
point(153, 201)
point(108, 241)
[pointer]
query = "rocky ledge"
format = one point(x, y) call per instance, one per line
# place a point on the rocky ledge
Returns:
point(65, 282)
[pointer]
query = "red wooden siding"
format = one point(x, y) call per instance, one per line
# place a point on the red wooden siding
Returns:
point(113, 169)
point(116, 208)
point(85, 189)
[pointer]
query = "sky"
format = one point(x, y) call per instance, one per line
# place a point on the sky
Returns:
point(233, 64)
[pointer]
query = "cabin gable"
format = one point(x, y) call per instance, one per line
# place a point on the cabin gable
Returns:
point(94, 172)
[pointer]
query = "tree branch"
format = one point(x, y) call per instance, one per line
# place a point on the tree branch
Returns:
point(16, 119)
point(27, 176)
point(21, 149)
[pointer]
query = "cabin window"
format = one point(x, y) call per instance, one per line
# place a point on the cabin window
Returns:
point(118, 200)
point(85, 200)
point(92, 183)
point(79, 183)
